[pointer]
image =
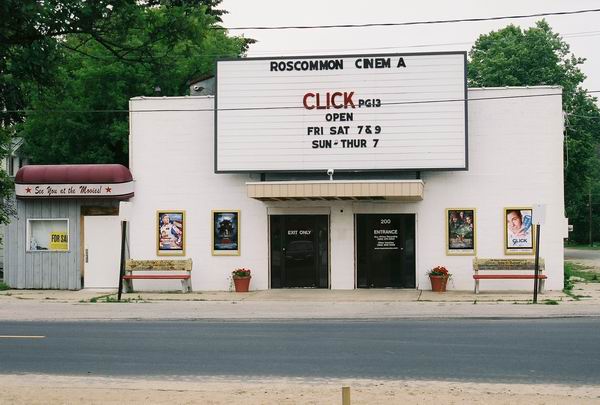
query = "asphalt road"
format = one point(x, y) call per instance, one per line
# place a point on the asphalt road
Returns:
point(582, 254)
point(528, 351)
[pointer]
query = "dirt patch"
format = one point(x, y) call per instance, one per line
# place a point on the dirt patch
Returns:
point(41, 389)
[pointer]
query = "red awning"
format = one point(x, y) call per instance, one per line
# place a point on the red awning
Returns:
point(74, 181)
point(73, 174)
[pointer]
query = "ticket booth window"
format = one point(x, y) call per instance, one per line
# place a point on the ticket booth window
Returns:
point(47, 235)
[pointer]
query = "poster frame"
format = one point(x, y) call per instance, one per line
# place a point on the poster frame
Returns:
point(216, 251)
point(518, 250)
point(175, 251)
point(461, 251)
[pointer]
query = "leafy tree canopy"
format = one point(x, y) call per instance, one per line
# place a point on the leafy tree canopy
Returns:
point(77, 114)
point(82, 56)
point(513, 57)
point(538, 56)
point(32, 33)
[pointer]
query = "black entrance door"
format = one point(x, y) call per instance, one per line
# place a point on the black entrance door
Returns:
point(385, 250)
point(299, 251)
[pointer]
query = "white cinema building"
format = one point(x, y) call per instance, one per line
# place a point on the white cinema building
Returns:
point(347, 172)
point(337, 172)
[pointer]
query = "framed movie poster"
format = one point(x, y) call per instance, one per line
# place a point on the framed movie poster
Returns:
point(518, 231)
point(170, 235)
point(460, 231)
point(226, 233)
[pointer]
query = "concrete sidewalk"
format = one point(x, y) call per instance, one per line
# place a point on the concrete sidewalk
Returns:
point(295, 304)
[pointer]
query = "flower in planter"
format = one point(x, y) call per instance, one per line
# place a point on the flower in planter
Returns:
point(439, 277)
point(439, 271)
point(241, 273)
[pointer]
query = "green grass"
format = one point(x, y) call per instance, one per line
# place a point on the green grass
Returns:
point(4, 286)
point(588, 276)
point(568, 272)
point(112, 298)
point(582, 272)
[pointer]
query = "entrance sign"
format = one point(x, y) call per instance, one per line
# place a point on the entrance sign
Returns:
point(385, 239)
point(367, 112)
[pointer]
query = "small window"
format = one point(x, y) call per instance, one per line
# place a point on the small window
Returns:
point(48, 235)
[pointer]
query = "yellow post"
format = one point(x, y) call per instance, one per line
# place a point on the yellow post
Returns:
point(345, 395)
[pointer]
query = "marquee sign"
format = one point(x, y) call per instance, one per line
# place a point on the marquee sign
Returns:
point(367, 112)
point(74, 190)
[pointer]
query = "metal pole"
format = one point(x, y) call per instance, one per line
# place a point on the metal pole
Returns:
point(590, 211)
point(537, 263)
point(122, 266)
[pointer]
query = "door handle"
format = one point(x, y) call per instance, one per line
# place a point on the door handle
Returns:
point(86, 256)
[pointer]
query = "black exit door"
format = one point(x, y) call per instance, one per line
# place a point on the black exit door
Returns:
point(299, 251)
point(385, 250)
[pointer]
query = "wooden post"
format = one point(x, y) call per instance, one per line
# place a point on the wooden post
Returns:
point(345, 395)
point(122, 266)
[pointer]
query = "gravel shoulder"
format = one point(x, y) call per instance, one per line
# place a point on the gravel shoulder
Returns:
point(36, 389)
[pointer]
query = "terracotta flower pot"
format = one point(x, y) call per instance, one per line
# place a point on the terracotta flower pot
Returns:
point(242, 284)
point(438, 283)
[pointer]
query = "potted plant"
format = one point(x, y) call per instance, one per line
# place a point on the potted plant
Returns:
point(241, 279)
point(439, 276)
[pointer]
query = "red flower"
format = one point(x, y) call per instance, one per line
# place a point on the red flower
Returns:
point(439, 271)
point(241, 272)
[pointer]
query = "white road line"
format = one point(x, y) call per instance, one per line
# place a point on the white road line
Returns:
point(21, 337)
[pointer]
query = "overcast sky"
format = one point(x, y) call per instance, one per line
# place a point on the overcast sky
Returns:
point(581, 31)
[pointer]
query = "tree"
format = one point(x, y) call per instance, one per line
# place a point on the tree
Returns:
point(104, 59)
point(537, 56)
point(32, 34)
point(94, 55)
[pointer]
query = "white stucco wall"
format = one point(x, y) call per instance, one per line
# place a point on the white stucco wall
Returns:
point(515, 159)
point(171, 161)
